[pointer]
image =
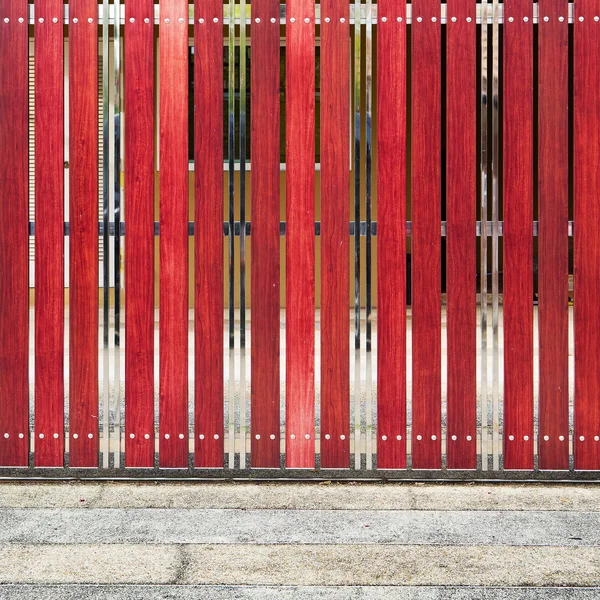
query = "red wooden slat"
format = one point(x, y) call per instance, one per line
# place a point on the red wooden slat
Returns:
point(461, 181)
point(335, 260)
point(83, 233)
point(553, 173)
point(391, 236)
point(426, 218)
point(14, 262)
point(300, 234)
point(586, 71)
point(265, 122)
point(208, 119)
point(518, 236)
point(49, 236)
point(173, 328)
point(139, 250)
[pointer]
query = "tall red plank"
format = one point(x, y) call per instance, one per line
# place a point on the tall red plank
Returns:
point(586, 71)
point(391, 235)
point(14, 240)
point(83, 233)
point(208, 178)
point(461, 200)
point(265, 240)
point(518, 234)
point(300, 234)
point(139, 250)
point(173, 329)
point(553, 242)
point(335, 215)
point(49, 235)
point(426, 226)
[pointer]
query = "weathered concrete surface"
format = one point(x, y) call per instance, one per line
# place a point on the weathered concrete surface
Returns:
point(334, 496)
point(239, 526)
point(184, 592)
point(301, 565)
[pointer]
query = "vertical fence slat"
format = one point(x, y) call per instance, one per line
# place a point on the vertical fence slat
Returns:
point(518, 236)
point(49, 236)
point(173, 329)
point(553, 197)
point(208, 241)
point(426, 249)
point(265, 241)
point(335, 260)
point(14, 265)
point(83, 236)
point(391, 235)
point(139, 251)
point(300, 234)
point(460, 234)
point(586, 71)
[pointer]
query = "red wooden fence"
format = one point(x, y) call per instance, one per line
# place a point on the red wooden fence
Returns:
point(477, 107)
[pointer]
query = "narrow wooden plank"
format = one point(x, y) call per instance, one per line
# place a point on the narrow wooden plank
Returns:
point(139, 248)
point(14, 260)
point(49, 235)
point(83, 233)
point(553, 242)
point(391, 236)
point(426, 249)
point(335, 214)
point(265, 241)
point(173, 328)
point(300, 234)
point(518, 235)
point(461, 200)
point(586, 71)
point(208, 241)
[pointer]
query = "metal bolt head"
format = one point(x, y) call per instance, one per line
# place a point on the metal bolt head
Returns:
point(293, 20)
point(180, 20)
point(433, 19)
point(342, 20)
point(398, 437)
point(132, 20)
point(90, 20)
point(273, 20)
point(22, 435)
point(41, 19)
point(581, 19)
point(546, 437)
point(147, 436)
point(90, 435)
point(146, 20)
point(167, 21)
point(399, 19)
point(453, 438)
point(6, 20)
point(384, 19)
point(201, 436)
point(307, 436)
point(453, 19)
point(216, 20)
point(561, 19)
point(167, 436)
point(342, 437)
point(419, 19)
point(327, 19)
point(384, 437)
point(581, 438)
point(419, 437)
point(434, 437)
point(55, 436)
point(561, 438)
point(307, 20)
point(596, 438)
point(272, 436)
point(75, 20)
point(596, 18)
point(525, 19)
point(511, 437)
point(469, 438)
point(327, 436)
point(292, 437)
point(526, 438)
point(132, 435)
point(257, 20)
point(469, 19)
point(511, 19)
point(200, 20)
point(41, 436)
point(257, 436)
point(216, 436)
point(55, 20)
point(546, 19)
point(181, 436)
point(21, 20)
point(75, 436)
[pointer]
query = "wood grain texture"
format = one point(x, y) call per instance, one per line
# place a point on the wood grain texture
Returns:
point(426, 251)
point(461, 200)
point(335, 215)
point(49, 237)
point(518, 235)
point(300, 235)
point(173, 329)
point(83, 234)
point(265, 241)
point(208, 240)
point(139, 248)
point(553, 242)
point(14, 265)
point(586, 71)
point(391, 236)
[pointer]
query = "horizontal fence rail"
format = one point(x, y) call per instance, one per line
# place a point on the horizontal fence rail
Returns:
point(299, 241)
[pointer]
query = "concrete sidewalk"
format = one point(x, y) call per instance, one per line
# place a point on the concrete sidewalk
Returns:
point(295, 541)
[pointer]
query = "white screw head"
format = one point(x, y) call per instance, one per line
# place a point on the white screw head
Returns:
point(75, 436)
point(546, 437)
point(167, 436)
point(6, 20)
point(181, 436)
point(511, 19)
point(147, 436)
point(596, 18)
point(257, 436)
point(307, 436)
point(90, 20)
point(216, 436)
point(41, 19)
point(434, 437)
point(201, 20)
point(272, 436)
point(419, 437)
point(526, 438)
point(342, 20)
point(293, 436)
point(21, 20)
point(180, 20)
point(273, 20)
point(146, 20)
point(342, 437)
point(257, 20)
point(22, 435)
point(469, 19)
point(469, 438)
point(561, 438)
point(41, 436)
point(453, 19)
point(433, 19)
point(596, 438)
point(453, 438)
point(307, 20)
point(55, 436)
point(384, 19)
point(581, 19)
point(55, 20)
point(167, 21)
point(293, 20)
point(419, 19)
point(561, 19)
point(525, 19)
point(132, 435)
point(384, 437)
point(75, 20)
point(398, 437)
point(216, 20)
point(90, 435)
point(132, 20)
point(327, 436)
point(546, 19)
point(399, 19)
point(201, 436)
point(581, 438)
point(511, 437)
